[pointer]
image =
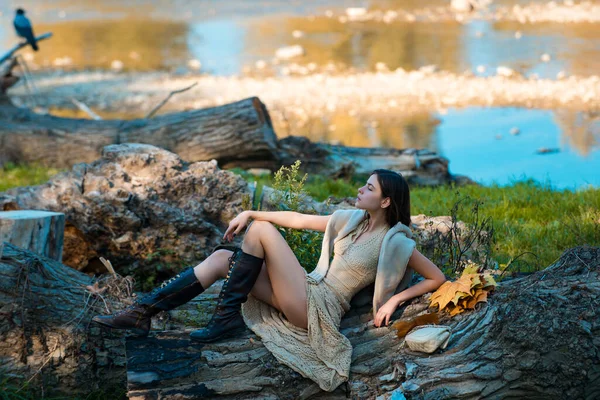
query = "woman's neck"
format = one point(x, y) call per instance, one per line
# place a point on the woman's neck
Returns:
point(376, 221)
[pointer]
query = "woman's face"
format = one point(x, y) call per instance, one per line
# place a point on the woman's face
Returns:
point(370, 196)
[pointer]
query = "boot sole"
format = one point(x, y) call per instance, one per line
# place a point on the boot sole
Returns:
point(224, 336)
point(137, 332)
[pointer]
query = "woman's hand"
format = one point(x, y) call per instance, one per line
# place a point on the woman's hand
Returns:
point(385, 312)
point(236, 225)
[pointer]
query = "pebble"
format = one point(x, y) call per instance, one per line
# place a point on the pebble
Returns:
point(505, 71)
point(545, 57)
point(356, 13)
point(117, 65)
point(286, 53)
point(322, 94)
point(194, 64)
point(514, 131)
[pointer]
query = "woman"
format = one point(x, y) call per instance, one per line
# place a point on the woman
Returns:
point(296, 315)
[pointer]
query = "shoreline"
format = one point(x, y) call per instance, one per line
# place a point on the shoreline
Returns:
point(315, 94)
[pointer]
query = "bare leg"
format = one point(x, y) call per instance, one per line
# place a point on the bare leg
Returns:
point(286, 275)
point(215, 267)
point(212, 268)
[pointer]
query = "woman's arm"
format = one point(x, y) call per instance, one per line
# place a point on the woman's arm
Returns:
point(434, 278)
point(287, 219)
point(428, 270)
point(292, 219)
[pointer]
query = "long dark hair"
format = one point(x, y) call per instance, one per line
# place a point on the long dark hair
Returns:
point(394, 186)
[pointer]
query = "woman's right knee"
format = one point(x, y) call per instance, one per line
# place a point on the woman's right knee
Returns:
point(222, 261)
point(218, 262)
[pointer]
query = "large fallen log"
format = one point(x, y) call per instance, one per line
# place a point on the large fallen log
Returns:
point(422, 167)
point(537, 338)
point(236, 134)
point(44, 337)
point(239, 134)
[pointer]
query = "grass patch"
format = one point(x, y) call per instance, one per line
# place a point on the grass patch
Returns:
point(13, 175)
point(532, 222)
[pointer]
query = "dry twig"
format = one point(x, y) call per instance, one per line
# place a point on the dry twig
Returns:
point(162, 103)
point(83, 107)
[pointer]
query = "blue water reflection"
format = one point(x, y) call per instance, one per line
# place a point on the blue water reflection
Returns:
point(478, 143)
point(218, 44)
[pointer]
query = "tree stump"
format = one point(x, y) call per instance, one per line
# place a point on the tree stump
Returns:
point(41, 232)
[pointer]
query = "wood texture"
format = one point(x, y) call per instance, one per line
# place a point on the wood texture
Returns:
point(41, 232)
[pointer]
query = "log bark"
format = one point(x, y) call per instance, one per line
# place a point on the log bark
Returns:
point(421, 167)
point(537, 338)
point(45, 336)
point(41, 232)
point(239, 134)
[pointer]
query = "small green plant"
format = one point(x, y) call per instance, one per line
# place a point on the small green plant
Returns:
point(468, 243)
point(12, 388)
point(289, 195)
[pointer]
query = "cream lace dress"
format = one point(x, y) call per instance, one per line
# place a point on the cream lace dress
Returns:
point(320, 352)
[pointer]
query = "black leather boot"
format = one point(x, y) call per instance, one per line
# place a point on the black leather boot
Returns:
point(227, 320)
point(176, 291)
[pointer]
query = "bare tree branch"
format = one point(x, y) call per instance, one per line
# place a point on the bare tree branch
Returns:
point(162, 103)
point(18, 47)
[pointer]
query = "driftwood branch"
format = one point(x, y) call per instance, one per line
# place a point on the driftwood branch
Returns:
point(19, 46)
point(83, 107)
point(162, 103)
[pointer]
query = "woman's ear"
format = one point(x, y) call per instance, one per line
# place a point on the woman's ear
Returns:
point(385, 203)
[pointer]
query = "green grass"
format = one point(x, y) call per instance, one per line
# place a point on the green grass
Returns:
point(534, 224)
point(12, 175)
point(528, 217)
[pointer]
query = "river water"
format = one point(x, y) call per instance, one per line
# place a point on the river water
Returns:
point(233, 37)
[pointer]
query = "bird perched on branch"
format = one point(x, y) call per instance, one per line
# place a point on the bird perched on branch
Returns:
point(24, 29)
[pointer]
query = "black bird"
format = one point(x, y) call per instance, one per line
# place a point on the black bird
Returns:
point(23, 28)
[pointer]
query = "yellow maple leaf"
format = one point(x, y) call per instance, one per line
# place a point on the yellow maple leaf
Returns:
point(471, 269)
point(456, 310)
point(446, 293)
point(460, 295)
point(489, 282)
point(482, 297)
point(476, 281)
